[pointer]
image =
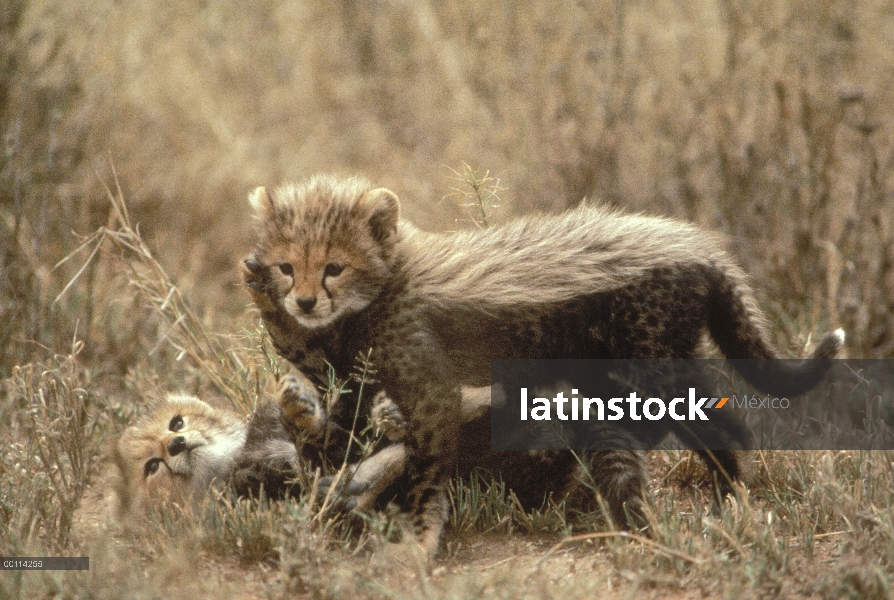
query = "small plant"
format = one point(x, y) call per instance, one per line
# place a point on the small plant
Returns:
point(478, 194)
point(49, 427)
point(484, 504)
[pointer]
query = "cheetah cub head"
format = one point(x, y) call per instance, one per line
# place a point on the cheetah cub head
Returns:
point(323, 248)
point(176, 452)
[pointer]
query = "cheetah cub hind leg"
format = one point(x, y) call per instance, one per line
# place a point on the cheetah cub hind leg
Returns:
point(305, 417)
point(320, 440)
point(284, 443)
point(369, 477)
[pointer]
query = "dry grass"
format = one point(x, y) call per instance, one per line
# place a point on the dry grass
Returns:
point(772, 122)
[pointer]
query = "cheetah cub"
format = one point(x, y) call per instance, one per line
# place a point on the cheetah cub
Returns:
point(335, 272)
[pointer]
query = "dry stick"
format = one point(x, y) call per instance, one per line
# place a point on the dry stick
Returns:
point(819, 536)
point(740, 548)
point(314, 489)
point(667, 475)
point(498, 563)
point(499, 523)
point(101, 236)
point(336, 481)
point(650, 544)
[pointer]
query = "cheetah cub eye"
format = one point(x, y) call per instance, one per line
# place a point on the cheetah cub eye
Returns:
point(176, 423)
point(151, 467)
point(333, 270)
point(286, 269)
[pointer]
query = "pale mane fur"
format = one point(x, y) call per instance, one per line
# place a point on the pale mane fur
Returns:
point(552, 258)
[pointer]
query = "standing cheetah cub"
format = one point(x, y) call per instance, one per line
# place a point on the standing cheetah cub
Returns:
point(335, 272)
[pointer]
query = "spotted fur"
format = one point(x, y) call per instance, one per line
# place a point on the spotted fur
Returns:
point(335, 273)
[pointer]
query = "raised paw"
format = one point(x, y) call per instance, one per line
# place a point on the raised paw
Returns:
point(255, 276)
point(388, 420)
point(253, 273)
point(302, 409)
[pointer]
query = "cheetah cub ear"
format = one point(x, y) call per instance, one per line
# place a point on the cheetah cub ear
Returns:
point(382, 210)
point(261, 203)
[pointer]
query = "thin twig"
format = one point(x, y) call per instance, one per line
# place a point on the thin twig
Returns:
point(650, 544)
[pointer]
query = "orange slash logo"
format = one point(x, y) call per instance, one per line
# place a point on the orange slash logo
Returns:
point(717, 402)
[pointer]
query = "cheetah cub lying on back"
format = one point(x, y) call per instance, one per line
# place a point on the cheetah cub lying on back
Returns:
point(183, 446)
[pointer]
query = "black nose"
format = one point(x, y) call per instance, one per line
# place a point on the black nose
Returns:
point(177, 445)
point(306, 304)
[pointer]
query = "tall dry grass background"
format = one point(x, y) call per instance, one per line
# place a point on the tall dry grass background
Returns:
point(770, 121)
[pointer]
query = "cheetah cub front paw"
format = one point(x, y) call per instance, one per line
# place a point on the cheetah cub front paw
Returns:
point(302, 410)
point(387, 419)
